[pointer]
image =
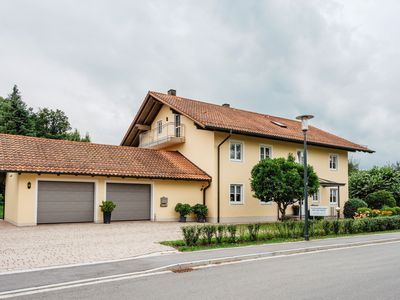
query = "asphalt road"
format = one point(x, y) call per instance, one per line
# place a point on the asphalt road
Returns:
point(366, 272)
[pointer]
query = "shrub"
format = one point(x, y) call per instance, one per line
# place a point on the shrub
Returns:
point(253, 231)
point(107, 206)
point(220, 233)
point(201, 211)
point(397, 210)
point(232, 233)
point(209, 232)
point(351, 207)
point(327, 227)
point(377, 200)
point(191, 234)
point(336, 226)
point(183, 209)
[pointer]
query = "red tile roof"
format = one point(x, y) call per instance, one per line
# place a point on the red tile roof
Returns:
point(218, 117)
point(39, 155)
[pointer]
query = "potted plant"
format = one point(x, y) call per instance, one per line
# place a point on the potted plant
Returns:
point(107, 207)
point(200, 210)
point(183, 210)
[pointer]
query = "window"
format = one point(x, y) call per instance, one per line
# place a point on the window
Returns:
point(236, 151)
point(236, 194)
point(333, 196)
point(177, 125)
point(300, 156)
point(265, 152)
point(265, 202)
point(333, 162)
point(159, 127)
point(316, 198)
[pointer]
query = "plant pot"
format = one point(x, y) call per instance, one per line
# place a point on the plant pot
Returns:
point(182, 219)
point(201, 219)
point(107, 217)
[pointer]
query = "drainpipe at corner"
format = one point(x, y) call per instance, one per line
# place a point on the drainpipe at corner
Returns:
point(218, 179)
point(204, 192)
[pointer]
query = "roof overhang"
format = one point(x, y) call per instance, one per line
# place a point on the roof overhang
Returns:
point(292, 140)
point(330, 183)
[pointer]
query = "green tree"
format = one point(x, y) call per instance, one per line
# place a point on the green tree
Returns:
point(281, 180)
point(15, 115)
point(363, 183)
point(353, 166)
point(76, 136)
point(51, 123)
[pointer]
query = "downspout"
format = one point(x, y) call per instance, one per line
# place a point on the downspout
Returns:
point(204, 192)
point(218, 173)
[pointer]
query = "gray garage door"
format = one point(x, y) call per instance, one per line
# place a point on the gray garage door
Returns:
point(63, 202)
point(132, 200)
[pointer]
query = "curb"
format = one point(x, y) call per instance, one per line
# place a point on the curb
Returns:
point(201, 263)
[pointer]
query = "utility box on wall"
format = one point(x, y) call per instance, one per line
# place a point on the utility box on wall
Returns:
point(163, 202)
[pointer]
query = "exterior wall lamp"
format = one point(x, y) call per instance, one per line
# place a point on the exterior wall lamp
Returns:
point(304, 127)
point(29, 185)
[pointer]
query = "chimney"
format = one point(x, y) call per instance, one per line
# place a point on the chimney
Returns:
point(226, 105)
point(172, 92)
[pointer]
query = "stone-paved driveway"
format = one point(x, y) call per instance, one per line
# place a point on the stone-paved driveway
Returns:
point(61, 244)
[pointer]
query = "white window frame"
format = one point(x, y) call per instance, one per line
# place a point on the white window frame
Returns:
point(263, 146)
point(337, 161)
point(297, 156)
point(330, 196)
point(318, 194)
point(231, 142)
point(159, 127)
point(235, 193)
point(266, 202)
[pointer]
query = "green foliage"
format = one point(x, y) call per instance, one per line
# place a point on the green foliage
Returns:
point(285, 230)
point(353, 166)
point(363, 183)
point(232, 229)
point(17, 118)
point(209, 231)
point(183, 209)
point(378, 199)
point(201, 211)
point(191, 234)
point(220, 233)
point(107, 206)
point(351, 207)
point(281, 180)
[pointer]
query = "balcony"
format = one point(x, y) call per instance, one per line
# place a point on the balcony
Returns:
point(161, 137)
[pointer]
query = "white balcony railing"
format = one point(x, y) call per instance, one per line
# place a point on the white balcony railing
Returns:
point(169, 134)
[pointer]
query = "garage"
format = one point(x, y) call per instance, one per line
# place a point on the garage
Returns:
point(64, 202)
point(132, 200)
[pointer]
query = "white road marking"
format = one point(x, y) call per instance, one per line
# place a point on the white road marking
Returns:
point(157, 271)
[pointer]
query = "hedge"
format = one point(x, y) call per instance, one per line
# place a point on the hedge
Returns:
point(216, 234)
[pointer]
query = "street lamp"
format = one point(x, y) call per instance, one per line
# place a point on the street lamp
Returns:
point(304, 127)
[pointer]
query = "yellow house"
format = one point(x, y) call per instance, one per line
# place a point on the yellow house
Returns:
point(175, 150)
point(227, 142)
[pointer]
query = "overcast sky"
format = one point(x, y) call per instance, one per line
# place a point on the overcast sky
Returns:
point(96, 60)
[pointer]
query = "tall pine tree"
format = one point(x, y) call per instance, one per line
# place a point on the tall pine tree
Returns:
point(15, 116)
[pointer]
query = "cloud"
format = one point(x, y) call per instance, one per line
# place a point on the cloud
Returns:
point(97, 59)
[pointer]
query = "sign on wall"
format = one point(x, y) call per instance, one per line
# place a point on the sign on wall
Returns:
point(319, 211)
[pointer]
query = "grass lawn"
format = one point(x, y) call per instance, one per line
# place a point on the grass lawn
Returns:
point(180, 244)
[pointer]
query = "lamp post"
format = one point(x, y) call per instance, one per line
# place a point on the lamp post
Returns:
point(304, 127)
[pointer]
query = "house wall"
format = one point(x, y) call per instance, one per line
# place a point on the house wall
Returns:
point(21, 202)
point(233, 172)
point(200, 147)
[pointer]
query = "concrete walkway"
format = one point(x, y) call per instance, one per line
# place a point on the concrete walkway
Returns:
point(88, 273)
point(40, 246)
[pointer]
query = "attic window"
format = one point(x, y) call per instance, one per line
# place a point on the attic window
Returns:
point(279, 124)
